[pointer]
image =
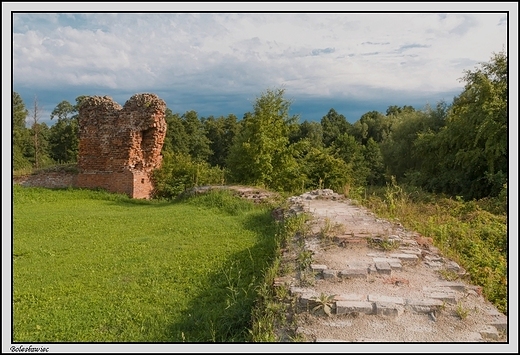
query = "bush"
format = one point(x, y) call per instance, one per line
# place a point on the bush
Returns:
point(179, 173)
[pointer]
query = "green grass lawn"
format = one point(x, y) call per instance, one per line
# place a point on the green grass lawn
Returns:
point(96, 267)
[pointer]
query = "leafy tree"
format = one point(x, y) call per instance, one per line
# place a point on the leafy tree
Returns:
point(220, 132)
point(374, 162)
point(312, 131)
point(39, 150)
point(21, 138)
point(260, 152)
point(396, 110)
point(334, 125)
point(436, 117)
point(321, 169)
point(64, 134)
point(398, 147)
point(468, 154)
point(197, 143)
point(373, 125)
point(176, 139)
point(482, 108)
point(351, 152)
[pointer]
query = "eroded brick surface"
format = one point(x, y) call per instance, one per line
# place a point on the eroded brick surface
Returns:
point(119, 147)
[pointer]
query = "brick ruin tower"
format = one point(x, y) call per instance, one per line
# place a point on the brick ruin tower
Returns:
point(119, 147)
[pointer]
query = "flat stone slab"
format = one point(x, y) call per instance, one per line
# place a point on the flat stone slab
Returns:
point(423, 305)
point(500, 324)
point(448, 297)
point(354, 273)
point(383, 268)
point(350, 297)
point(307, 298)
point(376, 255)
point(490, 332)
point(404, 257)
point(457, 286)
point(318, 267)
point(393, 262)
point(329, 274)
point(413, 251)
point(434, 264)
point(453, 266)
point(345, 307)
point(358, 265)
point(499, 320)
point(386, 299)
point(433, 258)
point(299, 290)
point(388, 309)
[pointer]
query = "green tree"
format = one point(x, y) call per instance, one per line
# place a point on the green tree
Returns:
point(467, 155)
point(373, 125)
point(176, 140)
point(260, 153)
point(351, 152)
point(312, 131)
point(64, 134)
point(482, 108)
point(21, 137)
point(197, 142)
point(397, 149)
point(220, 132)
point(396, 110)
point(374, 162)
point(334, 125)
point(319, 168)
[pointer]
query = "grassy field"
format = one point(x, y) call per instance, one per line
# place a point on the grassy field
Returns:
point(96, 267)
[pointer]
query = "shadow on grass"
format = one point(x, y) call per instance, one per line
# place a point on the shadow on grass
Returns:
point(222, 312)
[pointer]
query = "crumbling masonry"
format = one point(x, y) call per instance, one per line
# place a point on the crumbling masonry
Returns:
point(119, 147)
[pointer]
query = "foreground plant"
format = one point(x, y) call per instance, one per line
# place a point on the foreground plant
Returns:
point(323, 302)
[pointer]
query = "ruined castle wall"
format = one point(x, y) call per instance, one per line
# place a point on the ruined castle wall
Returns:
point(119, 147)
point(52, 180)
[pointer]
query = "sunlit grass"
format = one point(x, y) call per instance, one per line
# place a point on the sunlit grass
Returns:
point(98, 267)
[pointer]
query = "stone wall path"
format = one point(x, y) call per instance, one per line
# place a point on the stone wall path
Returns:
point(381, 282)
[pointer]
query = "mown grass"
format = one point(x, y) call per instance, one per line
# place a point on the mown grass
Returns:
point(90, 266)
point(464, 231)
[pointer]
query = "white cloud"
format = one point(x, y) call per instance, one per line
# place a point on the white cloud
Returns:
point(320, 54)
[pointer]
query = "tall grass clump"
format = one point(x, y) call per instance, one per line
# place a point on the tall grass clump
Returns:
point(90, 266)
point(464, 231)
point(269, 317)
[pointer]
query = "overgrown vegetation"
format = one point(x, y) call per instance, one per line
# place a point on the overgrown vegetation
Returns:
point(89, 266)
point(464, 231)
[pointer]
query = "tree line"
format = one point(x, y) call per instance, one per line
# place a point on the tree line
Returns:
point(458, 148)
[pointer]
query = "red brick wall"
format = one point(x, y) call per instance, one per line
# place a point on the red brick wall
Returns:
point(53, 180)
point(119, 147)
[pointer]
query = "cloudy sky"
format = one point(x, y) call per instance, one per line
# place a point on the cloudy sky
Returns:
point(217, 63)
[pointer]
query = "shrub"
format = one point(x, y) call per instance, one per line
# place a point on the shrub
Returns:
point(179, 173)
